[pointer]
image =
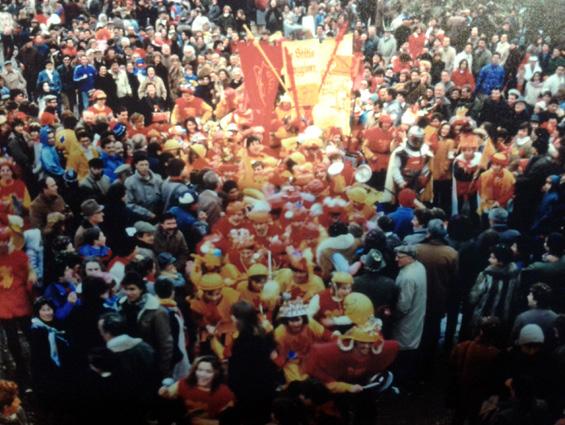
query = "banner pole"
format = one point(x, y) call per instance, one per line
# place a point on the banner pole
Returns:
point(265, 57)
point(338, 41)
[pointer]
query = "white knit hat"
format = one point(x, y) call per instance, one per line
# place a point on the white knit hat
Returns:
point(531, 334)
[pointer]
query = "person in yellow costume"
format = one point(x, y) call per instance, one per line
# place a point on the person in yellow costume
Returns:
point(212, 262)
point(257, 166)
point(358, 210)
point(299, 280)
point(211, 310)
point(253, 291)
point(294, 337)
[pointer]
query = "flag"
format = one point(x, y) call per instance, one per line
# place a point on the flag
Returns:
point(260, 83)
point(307, 62)
point(333, 106)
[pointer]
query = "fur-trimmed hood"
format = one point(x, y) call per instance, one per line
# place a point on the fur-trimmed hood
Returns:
point(338, 243)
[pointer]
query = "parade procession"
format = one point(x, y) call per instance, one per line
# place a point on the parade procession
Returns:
point(282, 212)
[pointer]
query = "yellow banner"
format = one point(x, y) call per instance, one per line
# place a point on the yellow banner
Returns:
point(307, 65)
point(333, 108)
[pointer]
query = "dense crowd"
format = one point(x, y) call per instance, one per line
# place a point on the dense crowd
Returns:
point(168, 260)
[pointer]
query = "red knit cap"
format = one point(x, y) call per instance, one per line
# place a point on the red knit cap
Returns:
point(406, 198)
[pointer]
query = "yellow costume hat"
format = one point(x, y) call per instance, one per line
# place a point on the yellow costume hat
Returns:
point(211, 282)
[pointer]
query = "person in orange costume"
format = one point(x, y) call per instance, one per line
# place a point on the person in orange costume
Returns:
point(377, 148)
point(294, 337)
point(188, 106)
point(496, 185)
point(211, 309)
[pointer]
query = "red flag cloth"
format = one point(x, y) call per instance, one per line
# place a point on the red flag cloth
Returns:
point(260, 83)
point(357, 70)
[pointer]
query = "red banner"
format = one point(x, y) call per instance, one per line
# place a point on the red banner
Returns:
point(260, 83)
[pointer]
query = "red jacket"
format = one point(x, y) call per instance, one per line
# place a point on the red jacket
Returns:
point(328, 363)
point(15, 291)
point(462, 78)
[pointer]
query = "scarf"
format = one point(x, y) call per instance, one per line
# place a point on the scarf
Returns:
point(52, 336)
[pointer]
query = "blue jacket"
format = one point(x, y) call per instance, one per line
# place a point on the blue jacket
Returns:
point(49, 156)
point(402, 219)
point(84, 76)
point(94, 251)
point(55, 84)
point(57, 294)
point(185, 220)
point(490, 77)
point(110, 164)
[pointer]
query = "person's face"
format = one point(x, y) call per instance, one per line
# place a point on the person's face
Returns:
point(402, 260)
point(295, 324)
point(493, 261)
point(84, 61)
point(495, 59)
point(495, 95)
point(51, 187)
point(85, 141)
point(300, 276)
point(212, 297)
point(169, 226)
point(148, 238)
point(150, 72)
point(101, 241)
point(261, 228)
point(530, 349)
point(445, 130)
point(97, 173)
point(97, 218)
point(142, 167)
point(109, 148)
point(6, 173)
point(343, 291)
point(439, 91)
point(133, 293)
point(103, 71)
point(256, 283)
point(547, 185)
point(91, 268)
point(46, 313)
point(204, 374)
point(532, 303)
point(363, 348)
point(496, 168)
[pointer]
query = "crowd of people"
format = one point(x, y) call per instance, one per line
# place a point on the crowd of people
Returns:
point(167, 260)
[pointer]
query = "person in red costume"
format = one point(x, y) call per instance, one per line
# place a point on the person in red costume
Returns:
point(234, 219)
point(99, 108)
point(14, 196)
point(15, 299)
point(347, 366)
point(377, 149)
point(188, 106)
point(332, 310)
